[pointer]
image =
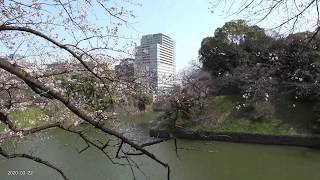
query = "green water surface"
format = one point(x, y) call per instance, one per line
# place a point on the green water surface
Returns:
point(199, 160)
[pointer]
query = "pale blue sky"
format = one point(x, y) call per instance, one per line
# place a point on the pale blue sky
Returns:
point(187, 22)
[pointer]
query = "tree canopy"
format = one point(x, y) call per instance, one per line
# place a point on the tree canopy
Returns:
point(261, 64)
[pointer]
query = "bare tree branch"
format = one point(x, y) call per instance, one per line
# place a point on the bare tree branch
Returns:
point(33, 158)
point(81, 113)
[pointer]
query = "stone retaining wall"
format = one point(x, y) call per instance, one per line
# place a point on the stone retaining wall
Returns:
point(313, 142)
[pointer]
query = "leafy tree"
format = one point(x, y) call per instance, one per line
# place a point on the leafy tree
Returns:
point(231, 46)
point(245, 55)
point(244, 60)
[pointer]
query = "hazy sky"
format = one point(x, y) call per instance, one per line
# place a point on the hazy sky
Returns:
point(186, 22)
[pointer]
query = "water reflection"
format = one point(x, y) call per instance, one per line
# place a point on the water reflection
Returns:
point(200, 160)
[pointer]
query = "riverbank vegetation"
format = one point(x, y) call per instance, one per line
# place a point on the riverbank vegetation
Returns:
point(33, 116)
point(251, 81)
point(222, 114)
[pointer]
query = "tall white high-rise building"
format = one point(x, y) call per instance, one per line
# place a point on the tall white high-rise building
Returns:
point(155, 60)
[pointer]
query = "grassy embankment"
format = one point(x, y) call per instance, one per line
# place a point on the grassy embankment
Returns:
point(32, 116)
point(221, 115)
point(26, 118)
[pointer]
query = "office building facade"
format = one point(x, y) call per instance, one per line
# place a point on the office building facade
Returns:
point(155, 61)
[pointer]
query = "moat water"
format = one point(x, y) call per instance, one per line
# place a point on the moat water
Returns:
point(199, 160)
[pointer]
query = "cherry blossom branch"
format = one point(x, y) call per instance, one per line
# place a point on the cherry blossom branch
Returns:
point(62, 46)
point(81, 113)
point(111, 14)
point(91, 143)
point(24, 132)
point(33, 158)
